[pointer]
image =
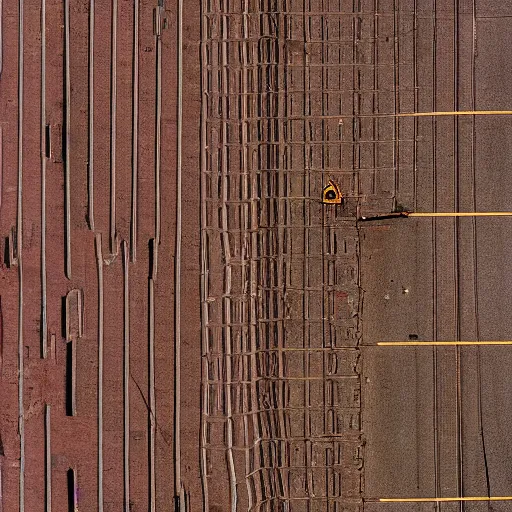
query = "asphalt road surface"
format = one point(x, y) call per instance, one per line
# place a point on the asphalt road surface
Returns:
point(436, 419)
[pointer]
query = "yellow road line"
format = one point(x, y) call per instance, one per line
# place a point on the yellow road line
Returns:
point(457, 113)
point(425, 114)
point(438, 343)
point(468, 498)
point(460, 214)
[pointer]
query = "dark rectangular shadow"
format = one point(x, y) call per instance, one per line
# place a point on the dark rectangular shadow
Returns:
point(72, 497)
point(69, 379)
point(7, 255)
point(47, 141)
point(63, 314)
point(151, 256)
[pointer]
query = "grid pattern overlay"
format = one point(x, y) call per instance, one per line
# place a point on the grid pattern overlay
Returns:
point(289, 92)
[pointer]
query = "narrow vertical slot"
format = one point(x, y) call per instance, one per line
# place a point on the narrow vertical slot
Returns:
point(1, 351)
point(152, 258)
point(70, 378)
point(69, 387)
point(7, 252)
point(63, 317)
point(47, 459)
point(1, 475)
point(47, 141)
point(72, 491)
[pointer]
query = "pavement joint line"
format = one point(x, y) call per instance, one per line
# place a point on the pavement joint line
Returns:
point(439, 343)
point(434, 500)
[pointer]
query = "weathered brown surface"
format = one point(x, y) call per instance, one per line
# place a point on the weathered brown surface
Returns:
point(281, 417)
point(74, 439)
point(434, 418)
point(285, 403)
